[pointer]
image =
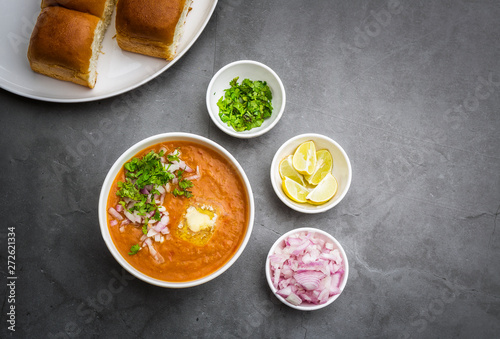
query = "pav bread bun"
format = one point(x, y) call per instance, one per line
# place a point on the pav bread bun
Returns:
point(65, 45)
point(151, 27)
point(100, 8)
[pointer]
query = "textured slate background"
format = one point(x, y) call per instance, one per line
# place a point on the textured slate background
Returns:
point(414, 99)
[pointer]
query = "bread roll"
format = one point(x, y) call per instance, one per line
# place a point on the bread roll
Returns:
point(65, 45)
point(100, 8)
point(151, 27)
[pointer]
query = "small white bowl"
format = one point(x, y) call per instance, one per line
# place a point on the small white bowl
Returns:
point(129, 154)
point(341, 171)
point(246, 69)
point(318, 233)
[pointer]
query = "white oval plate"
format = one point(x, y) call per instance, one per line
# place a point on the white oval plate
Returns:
point(119, 71)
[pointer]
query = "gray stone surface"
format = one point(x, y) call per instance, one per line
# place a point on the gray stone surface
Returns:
point(404, 96)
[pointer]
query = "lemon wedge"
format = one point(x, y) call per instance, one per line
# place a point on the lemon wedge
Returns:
point(325, 190)
point(294, 190)
point(324, 165)
point(287, 170)
point(304, 158)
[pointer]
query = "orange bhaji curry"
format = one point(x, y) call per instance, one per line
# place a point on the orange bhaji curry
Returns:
point(178, 211)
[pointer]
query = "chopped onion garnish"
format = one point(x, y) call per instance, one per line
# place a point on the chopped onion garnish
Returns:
point(294, 299)
point(307, 269)
point(114, 213)
point(161, 189)
point(156, 230)
point(194, 176)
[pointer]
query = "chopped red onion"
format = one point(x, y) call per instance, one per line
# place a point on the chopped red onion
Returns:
point(306, 269)
point(152, 232)
point(294, 299)
point(161, 189)
point(114, 213)
point(156, 256)
point(310, 280)
point(194, 176)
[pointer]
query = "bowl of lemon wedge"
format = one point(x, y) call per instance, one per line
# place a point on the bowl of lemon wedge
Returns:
point(311, 173)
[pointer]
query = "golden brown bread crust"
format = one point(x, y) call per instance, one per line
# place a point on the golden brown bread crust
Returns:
point(61, 44)
point(149, 26)
point(94, 7)
point(144, 46)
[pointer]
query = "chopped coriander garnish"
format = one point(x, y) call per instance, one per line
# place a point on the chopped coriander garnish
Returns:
point(184, 184)
point(134, 249)
point(142, 179)
point(172, 157)
point(245, 106)
point(179, 174)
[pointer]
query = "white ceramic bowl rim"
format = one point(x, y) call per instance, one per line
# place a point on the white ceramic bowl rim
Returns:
point(255, 132)
point(127, 155)
point(296, 206)
point(308, 307)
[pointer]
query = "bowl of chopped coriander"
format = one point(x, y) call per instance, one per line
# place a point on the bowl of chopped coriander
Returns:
point(245, 99)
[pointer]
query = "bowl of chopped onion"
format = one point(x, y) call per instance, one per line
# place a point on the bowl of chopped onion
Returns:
point(245, 99)
point(307, 269)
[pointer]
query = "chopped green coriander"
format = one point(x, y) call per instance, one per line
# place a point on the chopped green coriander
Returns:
point(142, 179)
point(245, 106)
point(172, 157)
point(184, 184)
point(134, 249)
point(179, 174)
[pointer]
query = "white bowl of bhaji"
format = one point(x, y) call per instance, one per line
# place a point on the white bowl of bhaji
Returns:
point(176, 210)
